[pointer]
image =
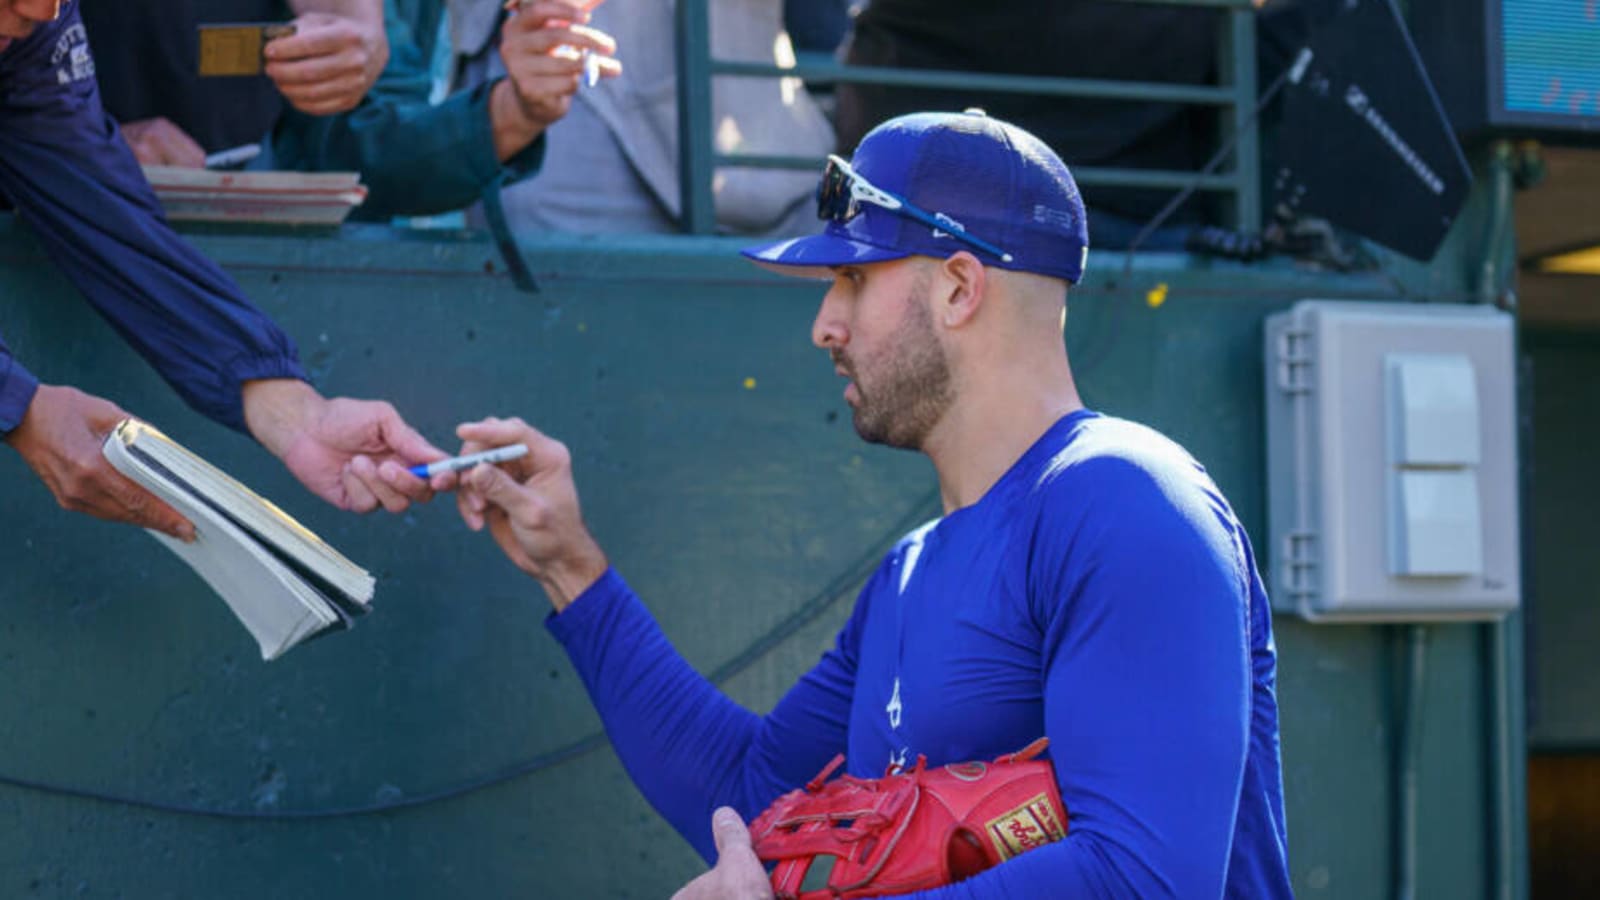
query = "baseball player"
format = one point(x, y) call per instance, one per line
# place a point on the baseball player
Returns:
point(1087, 581)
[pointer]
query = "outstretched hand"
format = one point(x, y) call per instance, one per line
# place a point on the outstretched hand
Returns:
point(345, 451)
point(738, 874)
point(530, 506)
point(60, 437)
point(542, 46)
point(329, 63)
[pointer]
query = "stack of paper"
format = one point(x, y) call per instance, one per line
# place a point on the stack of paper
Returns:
point(301, 198)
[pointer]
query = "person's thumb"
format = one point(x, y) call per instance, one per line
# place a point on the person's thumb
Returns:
point(729, 830)
point(407, 441)
point(497, 487)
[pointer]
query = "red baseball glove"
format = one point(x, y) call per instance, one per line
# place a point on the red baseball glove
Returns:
point(912, 830)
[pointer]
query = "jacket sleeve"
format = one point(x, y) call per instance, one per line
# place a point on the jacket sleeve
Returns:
point(73, 180)
point(415, 158)
point(17, 387)
point(686, 745)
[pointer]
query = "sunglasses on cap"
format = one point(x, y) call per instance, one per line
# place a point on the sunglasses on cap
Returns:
point(842, 191)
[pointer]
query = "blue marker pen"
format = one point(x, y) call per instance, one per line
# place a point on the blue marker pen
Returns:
point(236, 156)
point(591, 67)
point(591, 60)
point(462, 463)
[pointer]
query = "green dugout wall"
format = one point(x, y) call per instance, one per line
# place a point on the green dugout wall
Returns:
point(444, 747)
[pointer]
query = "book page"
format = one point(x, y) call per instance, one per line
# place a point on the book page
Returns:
point(254, 513)
point(278, 606)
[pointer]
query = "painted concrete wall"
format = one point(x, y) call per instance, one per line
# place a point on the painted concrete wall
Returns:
point(718, 466)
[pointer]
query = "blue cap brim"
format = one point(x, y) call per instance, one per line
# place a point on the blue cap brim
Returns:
point(812, 257)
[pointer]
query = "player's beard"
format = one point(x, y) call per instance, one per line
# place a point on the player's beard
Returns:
point(903, 391)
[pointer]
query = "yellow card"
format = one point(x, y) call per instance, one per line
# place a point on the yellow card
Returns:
point(231, 50)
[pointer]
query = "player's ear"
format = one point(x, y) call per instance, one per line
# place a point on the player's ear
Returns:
point(960, 284)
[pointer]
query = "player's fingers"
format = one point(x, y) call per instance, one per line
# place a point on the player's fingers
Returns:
point(499, 524)
point(471, 508)
point(543, 452)
point(498, 488)
point(609, 68)
point(456, 480)
point(505, 537)
point(729, 831)
point(493, 432)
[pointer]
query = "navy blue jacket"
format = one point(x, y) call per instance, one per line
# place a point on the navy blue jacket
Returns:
point(72, 179)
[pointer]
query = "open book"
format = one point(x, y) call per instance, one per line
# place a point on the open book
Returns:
point(281, 580)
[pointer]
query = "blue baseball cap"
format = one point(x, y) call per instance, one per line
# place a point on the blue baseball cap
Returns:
point(1004, 187)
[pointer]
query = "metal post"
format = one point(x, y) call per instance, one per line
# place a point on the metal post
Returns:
point(694, 118)
point(1408, 762)
point(1491, 279)
point(1239, 63)
point(1508, 760)
point(1503, 640)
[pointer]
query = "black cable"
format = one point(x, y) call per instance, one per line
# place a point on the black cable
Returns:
point(1216, 159)
point(858, 571)
point(1102, 347)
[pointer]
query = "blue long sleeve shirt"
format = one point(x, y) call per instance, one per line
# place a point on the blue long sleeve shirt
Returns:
point(73, 180)
point(1101, 593)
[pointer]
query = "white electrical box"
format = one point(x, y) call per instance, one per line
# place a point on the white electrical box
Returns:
point(1391, 462)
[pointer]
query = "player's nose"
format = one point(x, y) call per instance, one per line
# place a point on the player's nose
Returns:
point(828, 330)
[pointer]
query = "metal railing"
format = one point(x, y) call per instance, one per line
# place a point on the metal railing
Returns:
point(1236, 96)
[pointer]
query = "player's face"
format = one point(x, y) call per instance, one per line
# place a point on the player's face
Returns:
point(18, 18)
point(876, 325)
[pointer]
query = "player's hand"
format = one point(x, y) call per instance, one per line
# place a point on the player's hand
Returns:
point(530, 506)
point(158, 142)
point(60, 438)
point(345, 451)
point(738, 874)
point(541, 45)
point(329, 63)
